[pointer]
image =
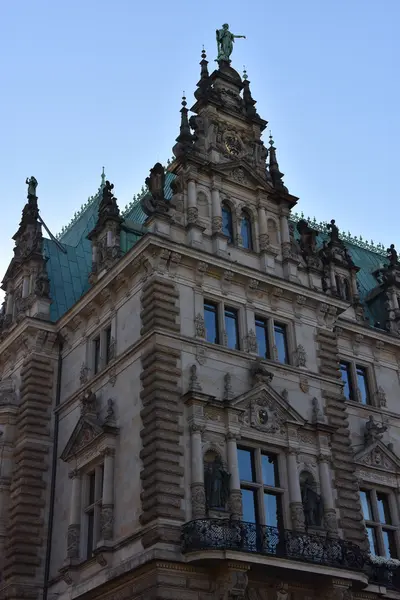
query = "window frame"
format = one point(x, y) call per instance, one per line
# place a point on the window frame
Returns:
point(369, 379)
point(100, 346)
point(244, 214)
point(225, 206)
point(375, 524)
point(92, 509)
point(270, 323)
point(221, 307)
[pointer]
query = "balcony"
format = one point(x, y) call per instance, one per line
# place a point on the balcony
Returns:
point(225, 534)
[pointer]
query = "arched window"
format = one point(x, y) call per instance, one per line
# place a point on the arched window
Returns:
point(245, 231)
point(338, 286)
point(227, 223)
point(346, 289)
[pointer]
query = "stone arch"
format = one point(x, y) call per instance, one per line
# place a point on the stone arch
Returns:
point(272, 228)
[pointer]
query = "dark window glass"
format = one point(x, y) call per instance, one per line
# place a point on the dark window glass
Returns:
point(246, 465)
point(245, 232)
point(338, 285)
point(227, 224)
point(372, 541)
point(262, 337)
point(281, 342)
point(269, 465)
point(346, 377)
point(249, 506)
point(362, 384)
point(366, 505)
point(108, 344)
point(96, 349)
point(92, 488)
point(346, 289)
point(389, 544)
point(272, 512)
point(90, 532)
point(383, 508)
point(231, 328)
point(211, 322)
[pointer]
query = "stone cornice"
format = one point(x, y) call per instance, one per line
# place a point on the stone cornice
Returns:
point(370, 332)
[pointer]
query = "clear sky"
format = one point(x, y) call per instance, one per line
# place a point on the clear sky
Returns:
point(87, 83)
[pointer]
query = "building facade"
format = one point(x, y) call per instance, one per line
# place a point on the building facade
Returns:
point(199, 394)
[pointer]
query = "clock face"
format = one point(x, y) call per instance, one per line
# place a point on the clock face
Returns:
point(233, 144)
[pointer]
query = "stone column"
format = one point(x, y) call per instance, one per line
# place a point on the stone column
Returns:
point(25, 286)
point(394, 299)
point(9, 306)
point(263, 238)
point(235, 497)
point(330, 520)
point(74, 527)
point(192, 210)
point(110, 239)
point(332, 279)
point(216, 211)
point(296, 505)
point(107, 505)
point(197, 485)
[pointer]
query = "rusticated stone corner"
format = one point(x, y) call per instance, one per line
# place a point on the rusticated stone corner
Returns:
point(159, 306)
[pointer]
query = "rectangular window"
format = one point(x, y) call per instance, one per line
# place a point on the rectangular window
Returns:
point(362, 384)
point(108, 344)
point(96, 355)
point(262, 337)
point(378, 523)
point(261, 494)
point(211, 322)
point(281, 342)
point(94, 492)
point(345, 370)
point(231, 328)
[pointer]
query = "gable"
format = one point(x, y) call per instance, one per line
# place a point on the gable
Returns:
point(240, 172)
point(85, 433)
point(378, 456)
point(266, 410)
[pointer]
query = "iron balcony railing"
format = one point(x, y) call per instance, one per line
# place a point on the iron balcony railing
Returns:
point(226, 534)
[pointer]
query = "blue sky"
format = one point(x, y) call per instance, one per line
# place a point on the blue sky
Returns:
point(87, 83)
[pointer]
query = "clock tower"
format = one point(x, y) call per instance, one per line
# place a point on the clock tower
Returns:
point(228, 191)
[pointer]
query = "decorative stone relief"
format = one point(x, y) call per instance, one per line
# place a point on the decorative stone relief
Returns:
point(266, 416)
point(201, 270)
point(201, 355)
point(330, 522)
point(198, 500)
point(73, 537)
point(226, 281)
point(216, 224)
point(357, 341)
point(227, 386)
point(376, 458)
point(84, 374)
point(316, 412)
point(282, 591)
point(298, 304)
point(194, 384)
point(259, 373)
point(252, 345)
point(200, 328)
point(304, 385)
point(275, 295)
point(300, 356)
point(112, 375)
point(106, 521)
point(373, 431)
point(380, 396)
point(297, 516)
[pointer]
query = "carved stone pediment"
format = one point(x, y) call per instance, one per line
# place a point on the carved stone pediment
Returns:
point(378, 456)
point(266, 410)
point(88, 431)
point(241, 172)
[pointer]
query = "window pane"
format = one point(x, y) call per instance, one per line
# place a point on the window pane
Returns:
point(108, 344)
point(345, 372)
point(96, 350)
point(245, 232)
point(281, 342)
point(227, 228)
point(249, 506)
point(362, 384)
point(246, 465)
point(269, 466)
point(262, 337)
point(211, 322)
point(383, 508)
point(389, 544)
point(92, 488)
point(231, 328)
point(90, 531)
point(366, 505)
point(272, 512)
point(372, 541)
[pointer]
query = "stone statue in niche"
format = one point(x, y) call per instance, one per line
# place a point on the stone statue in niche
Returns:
point(312, 502)
point(216, 484)
point(373, 431)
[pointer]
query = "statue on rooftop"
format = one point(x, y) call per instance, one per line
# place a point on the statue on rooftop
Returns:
point(225, 41)
point(156, 182)
point(392, 255)
point(334, 235)
point(32, 185)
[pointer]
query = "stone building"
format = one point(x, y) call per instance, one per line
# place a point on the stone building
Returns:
point(199, 395)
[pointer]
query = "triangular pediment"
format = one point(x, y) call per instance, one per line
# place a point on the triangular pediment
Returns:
point(238, 171)
point(267, 410)
point(378, 456)
point(86, 431)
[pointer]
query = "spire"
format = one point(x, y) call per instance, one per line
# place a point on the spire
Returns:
point(103, 179)
point(204, 84)
point(185, 137)
point(248, 100)
point(275, 173)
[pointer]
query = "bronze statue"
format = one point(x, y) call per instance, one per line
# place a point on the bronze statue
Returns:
point(334, 235)
point(32, 185)
point(392, 255)
point(216, 483)
point(225, 41)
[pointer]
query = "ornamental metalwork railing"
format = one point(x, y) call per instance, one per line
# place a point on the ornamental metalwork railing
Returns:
point(226, 534)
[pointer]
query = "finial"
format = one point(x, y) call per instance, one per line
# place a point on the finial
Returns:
point(203, 54)
point(271, 141)
point(184, 103)
point(103, 178)
point(245, 76)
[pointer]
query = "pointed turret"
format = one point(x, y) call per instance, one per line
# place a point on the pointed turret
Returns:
point(275, 173)
point(248, 99)
point(204, 84)
point(185, 138)
point(105, 236)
